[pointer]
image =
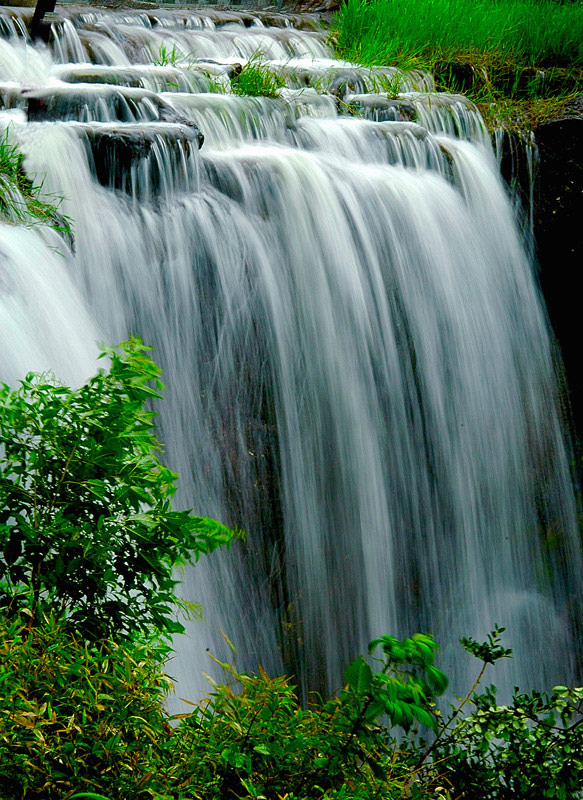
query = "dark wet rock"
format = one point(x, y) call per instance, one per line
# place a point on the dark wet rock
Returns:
point(321, 6)
point(158, 78)
point(133, 141)
point(118, 76)
point(517, 155)
point(310, 22)
point(557, 165)
point(216, 67)
point(11, 96)
point(381, 108)
point(98, 102)
point(142, 159)
point(558, 215)
point(348, 82)
point(223, 17)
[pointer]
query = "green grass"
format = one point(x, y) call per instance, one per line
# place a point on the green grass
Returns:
point(531, 32)
point(256, 80)
point(525, 57)
point(22, 201)
point(166, 57)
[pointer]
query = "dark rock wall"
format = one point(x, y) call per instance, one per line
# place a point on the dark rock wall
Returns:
point(558, 231)
point(557, 222)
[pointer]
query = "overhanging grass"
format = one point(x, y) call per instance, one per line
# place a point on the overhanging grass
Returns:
point(22, 201)
point(530, 32)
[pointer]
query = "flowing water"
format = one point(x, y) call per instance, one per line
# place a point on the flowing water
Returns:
point(358, 363)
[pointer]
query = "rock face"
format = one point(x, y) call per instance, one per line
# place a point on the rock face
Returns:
point(143, 158)
point(558, 228)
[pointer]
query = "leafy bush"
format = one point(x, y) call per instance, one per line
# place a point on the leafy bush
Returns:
point(257, 740)
point(81, 717)
point(89, 718)
point(76, 716)
point(528, 750)
point(86, 524)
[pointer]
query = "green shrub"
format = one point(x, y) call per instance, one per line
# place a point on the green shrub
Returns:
point(89, 718)
point(528, 750)
point(81, 717)
point(78, 716)
point(86, 524)
point(253, 739)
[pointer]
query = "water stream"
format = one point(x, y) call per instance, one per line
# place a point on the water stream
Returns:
point(358, 363)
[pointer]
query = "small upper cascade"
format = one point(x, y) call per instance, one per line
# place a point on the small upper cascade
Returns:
point(125, 66)
point(452, 114)
point(96, 102)
point(341, 77)
point(21, 64)
point(12, 27)
point(155, 77)
point(138, 81)
point(141, 39)
point(401, 143)
point(228, 120)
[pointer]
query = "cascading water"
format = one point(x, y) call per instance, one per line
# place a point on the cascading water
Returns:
point(359, 369)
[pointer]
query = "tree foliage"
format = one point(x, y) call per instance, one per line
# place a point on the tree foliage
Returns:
point(86, 522)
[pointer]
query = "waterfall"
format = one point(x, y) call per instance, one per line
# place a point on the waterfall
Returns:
point(358, 364)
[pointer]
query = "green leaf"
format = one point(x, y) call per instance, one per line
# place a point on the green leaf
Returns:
point(358, 676)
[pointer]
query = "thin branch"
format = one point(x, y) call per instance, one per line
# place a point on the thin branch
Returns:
point(455, 714)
